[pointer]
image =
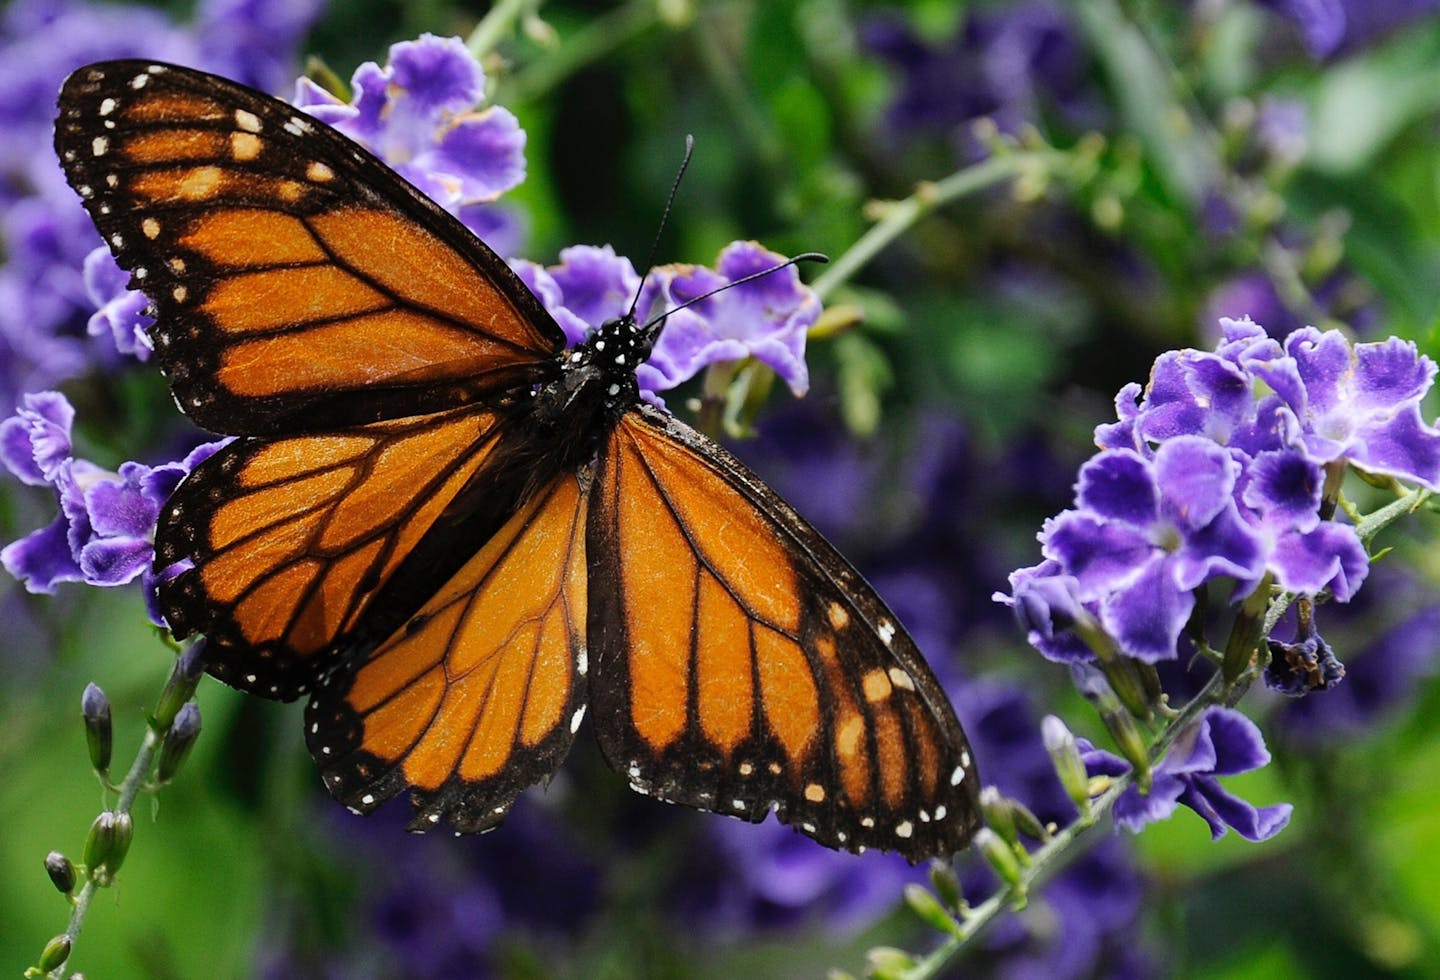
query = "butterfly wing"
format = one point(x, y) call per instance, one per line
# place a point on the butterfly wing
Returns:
point(742, 665)
point(290, 541)
point(298, 283)
point(479, 694)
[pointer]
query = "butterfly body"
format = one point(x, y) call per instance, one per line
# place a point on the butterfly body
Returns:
point(453, 535)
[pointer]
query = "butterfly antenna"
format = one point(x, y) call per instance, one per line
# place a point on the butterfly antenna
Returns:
point(664, 217)
point(759, 274)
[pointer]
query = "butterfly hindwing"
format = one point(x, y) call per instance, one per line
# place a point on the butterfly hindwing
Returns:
point(741, 665)
point(292, 539)
point(480, 693)
point(279, 255)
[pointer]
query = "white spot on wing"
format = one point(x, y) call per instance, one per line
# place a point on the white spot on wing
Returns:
point(576, 719)
point(904, 828)
point(100, 145)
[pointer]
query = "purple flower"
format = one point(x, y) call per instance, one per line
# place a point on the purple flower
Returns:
point(418, 115)
point(1362, 404)
point(1007, 64)
point(766, 318)
point(1331, 27)
point(46, 236)
point(1222, 742)
point(253, 41)
point(1146, 533)
point(744, 878)
point(104, 533)
point(119, 310)
point(589, 286)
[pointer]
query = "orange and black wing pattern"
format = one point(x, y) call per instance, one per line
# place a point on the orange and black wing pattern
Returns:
point(289, 541)
point(479, 694)
point(298, 283)
point(452, 534)
point(742, 666)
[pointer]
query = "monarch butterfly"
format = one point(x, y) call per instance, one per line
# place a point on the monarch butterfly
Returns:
point(451, 533)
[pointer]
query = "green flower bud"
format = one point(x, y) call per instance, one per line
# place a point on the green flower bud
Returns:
point(1000, 855)
point(922, 902)
point(61, 872)
point(180, 687)
point(947, 885)
point(106, 846)
point(1131, 745)
point(178, 741)
point(56, 952)
point(1069, 767)
point(99, 735)
point(998, 815)
point(888, 963)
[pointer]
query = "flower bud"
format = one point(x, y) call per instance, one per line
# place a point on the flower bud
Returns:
point(888, 963)
point(947, 885)
point(998, 815)
point(1131, 745)
point(1000, 855)
point(178, 741)
point(106, 846)
point(1069, 767)
point(99, 736)
point(56, 952)
point(61, 872)
point(180, 687)
point(923, 903)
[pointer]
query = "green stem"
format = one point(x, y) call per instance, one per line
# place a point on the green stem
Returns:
point(592, 43)
point(130, 788)
point(1390, 513)
point(901, 216)
point(1051, 856)
point(497, 24)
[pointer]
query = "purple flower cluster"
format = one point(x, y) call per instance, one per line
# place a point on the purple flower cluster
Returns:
point(104, 533)
point(1222, 742)
point(1216, 472)
point(1009, 63)
point(766, 318)
point(45, 236)
point(419, 114)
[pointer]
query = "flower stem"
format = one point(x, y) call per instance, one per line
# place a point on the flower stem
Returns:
point(497, 24)
point(597, 39)
point(901, 216)
point(1051, 856)
point(179, 688)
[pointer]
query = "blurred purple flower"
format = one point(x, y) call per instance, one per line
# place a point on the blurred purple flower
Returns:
point(743, 878)
point(1332, 27)
point(46, 235)
point(1222, 742)
point(432, 907)
point(104, 533)
point(1006, 63)
point(419, 115)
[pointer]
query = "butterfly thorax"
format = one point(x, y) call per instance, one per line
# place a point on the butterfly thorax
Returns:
point(596, 386)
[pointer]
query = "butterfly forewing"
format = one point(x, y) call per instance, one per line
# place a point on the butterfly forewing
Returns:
point(279, 255)
point(742, 666)
point(478, 695)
